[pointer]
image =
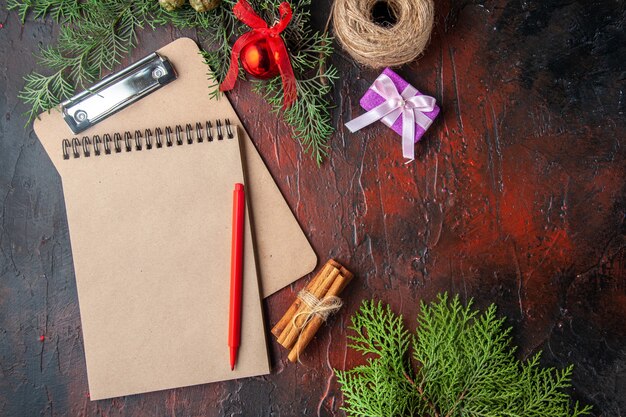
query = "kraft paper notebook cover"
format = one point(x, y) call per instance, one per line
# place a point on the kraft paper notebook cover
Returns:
point(172, 342)
point(150, 234)
point(277, 234)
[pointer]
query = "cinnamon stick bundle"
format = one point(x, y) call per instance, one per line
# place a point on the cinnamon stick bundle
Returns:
point(303, 319)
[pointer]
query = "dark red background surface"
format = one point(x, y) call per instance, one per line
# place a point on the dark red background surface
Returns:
point(516, 198)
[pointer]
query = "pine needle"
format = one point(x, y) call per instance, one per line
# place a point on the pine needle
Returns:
point(45, 92)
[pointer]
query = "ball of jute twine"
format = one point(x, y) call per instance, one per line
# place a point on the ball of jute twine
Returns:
point(379, 46)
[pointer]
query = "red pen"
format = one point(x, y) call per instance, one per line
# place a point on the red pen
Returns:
point(236, 273)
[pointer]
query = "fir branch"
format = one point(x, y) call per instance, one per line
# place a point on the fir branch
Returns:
point(96, 35)
point(186, 17)
point(84, 51)
point(465, 366)
point(21, 6)
point(218, 57)
point(379, 388)
point(59, 10)
point(45, 92)
point(217, 72)
point(309, 116)
point(312, 52)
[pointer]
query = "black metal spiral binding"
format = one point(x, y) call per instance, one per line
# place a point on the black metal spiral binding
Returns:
point(96, 148)
point(65, 145)
point(86, 143)
point(127, 138)
point(218, 127)
point(188, 134)
point(158, 133)
point(87, 146)
point(209, 131)
point(229, 129)
point(117, 138)
point(107, 148)
point(168, 136)
point(75, 146)
point(199, 132)
point(137, 140)
point(148, 139)
point(179, 138)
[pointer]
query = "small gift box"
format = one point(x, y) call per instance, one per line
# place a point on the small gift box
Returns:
point(400, 106)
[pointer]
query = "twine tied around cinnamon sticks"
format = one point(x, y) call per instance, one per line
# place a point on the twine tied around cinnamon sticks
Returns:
point(322, 307)
point(318, 300)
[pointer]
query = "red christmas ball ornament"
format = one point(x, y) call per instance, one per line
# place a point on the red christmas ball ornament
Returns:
point(257, 59)
point(262, 50)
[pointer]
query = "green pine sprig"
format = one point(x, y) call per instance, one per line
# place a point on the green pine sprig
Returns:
point(309, 116)
point(59, 10)
point(93, 37)
point(45, 92)
point(96, 35)
point(460, 362)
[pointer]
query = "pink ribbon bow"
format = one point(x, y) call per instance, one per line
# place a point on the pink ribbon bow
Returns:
point(407, 104)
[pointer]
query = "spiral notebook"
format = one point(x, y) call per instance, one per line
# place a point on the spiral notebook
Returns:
point(276, 232)
point(150, 235)
point(148, 194)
